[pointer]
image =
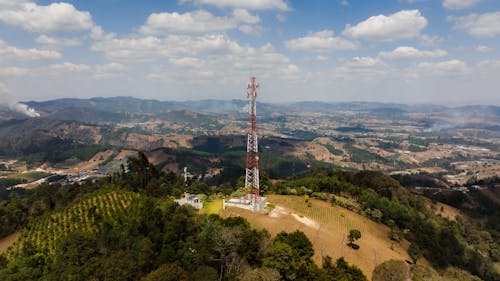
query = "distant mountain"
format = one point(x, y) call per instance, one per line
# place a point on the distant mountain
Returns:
point(148, 106)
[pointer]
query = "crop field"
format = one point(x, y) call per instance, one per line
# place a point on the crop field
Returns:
point(327, 226)
point(44, 233)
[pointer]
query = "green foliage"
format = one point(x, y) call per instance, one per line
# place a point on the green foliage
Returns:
point(167, 272)
point(354, 235)
point(341, 270)
point(391, 270)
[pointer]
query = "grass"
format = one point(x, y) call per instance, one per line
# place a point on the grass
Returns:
point(30, 176)
point(212, 207)
point(18, 164)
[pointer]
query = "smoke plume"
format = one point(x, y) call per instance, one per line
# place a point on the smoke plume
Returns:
point(8, 100)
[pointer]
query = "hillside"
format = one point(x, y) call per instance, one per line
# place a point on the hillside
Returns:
point(85, 215)
point(327, 226)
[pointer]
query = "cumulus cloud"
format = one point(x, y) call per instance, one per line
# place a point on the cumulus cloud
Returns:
point(53, 41)
point(245, 4)
point(448, 67)
point(459, 4)
point(70, 67)
point(195, 22)
point(11, 52)
point(150, 48)
point(321, 41)
point(405, 52)
point(429, 41)
point(483, 25)
point(405, 24)
point(54, 17)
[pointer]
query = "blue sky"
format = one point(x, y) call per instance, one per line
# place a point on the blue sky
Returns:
point(402, 51)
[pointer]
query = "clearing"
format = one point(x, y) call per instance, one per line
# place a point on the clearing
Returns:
point(327, 226)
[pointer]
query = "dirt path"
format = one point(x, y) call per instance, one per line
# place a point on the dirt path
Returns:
point(7, 241)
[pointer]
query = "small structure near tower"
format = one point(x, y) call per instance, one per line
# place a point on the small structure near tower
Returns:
point(189, 199)
point(252, 200)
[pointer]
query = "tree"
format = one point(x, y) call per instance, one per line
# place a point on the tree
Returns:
point(167, 272)
point(341, 270)
point(260, 274)
point(414, 252)
point(391, 270)
point(354, 235)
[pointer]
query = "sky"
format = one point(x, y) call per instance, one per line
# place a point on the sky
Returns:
point(399, 51)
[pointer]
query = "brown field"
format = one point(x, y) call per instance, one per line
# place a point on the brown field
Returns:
point(327, 227)
point(8, 241)
point(446, 211)
point(93, 162)
point(124, 153)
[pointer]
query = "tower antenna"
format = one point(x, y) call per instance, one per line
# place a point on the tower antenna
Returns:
point(252, 160)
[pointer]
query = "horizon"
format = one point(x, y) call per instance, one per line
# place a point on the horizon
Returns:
point(400, 51)
point(265, 102)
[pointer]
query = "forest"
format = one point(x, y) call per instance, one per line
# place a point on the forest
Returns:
point(127, 227)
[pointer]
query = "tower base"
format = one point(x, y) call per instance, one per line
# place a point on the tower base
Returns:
point(246, 203)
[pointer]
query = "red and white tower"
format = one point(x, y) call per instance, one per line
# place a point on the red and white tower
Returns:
point(252, 165)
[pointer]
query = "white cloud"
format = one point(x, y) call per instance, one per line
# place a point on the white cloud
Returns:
point(404, 52)
point(173, 46)
point(280, 17)
point(110, 67)
point(51, 18)
point(430, 41)
point(242, 15)
point(483, 25)
point(13, 71)
point(459, 4)
point(11, 52)
point(404, 24)
point(53, 41)
point(483, 49)
point(251, 29)
point(69, 67)
point(246, 4)
point(320, 42)
point(195, 22)
point(109, 70)
point(449, 67)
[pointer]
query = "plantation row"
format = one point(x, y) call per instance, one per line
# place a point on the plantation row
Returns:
point(44, 232)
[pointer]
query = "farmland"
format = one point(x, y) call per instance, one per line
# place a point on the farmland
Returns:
point(327, 226)
point(44, 232)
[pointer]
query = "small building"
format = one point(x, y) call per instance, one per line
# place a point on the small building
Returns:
point(245, 202)
point(192, 200)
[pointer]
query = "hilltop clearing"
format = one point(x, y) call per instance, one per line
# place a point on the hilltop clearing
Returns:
point(327, 226)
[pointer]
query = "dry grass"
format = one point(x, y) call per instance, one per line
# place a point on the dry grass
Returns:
point(327, 227)
point(93, 162)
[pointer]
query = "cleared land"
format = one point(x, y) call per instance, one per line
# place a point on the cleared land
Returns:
point(212, 207)
point(327, 227)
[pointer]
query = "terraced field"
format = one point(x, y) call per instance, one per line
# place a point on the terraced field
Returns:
point(43, 233)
